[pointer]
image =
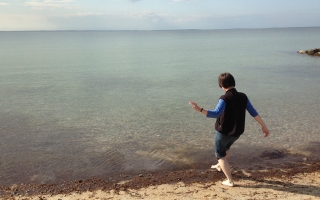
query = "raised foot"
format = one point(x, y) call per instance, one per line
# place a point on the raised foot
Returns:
point(228, 183)
point(217, 167)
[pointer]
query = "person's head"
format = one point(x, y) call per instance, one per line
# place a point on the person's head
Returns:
point(226, 80)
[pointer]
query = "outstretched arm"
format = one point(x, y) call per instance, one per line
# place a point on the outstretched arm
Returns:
point(210, 113)
point(263, 126)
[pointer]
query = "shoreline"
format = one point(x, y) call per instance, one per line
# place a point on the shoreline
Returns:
point(124, 184)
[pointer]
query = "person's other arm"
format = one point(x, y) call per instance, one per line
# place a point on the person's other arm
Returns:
point(257, 117)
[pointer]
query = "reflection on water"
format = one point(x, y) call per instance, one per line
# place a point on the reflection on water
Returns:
point(93, 110)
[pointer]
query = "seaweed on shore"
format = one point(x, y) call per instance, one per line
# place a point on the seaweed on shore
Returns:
point(124, 182)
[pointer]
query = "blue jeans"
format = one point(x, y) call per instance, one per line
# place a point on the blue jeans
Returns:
point(223, 144)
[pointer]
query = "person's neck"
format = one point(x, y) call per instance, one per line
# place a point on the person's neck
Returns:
point(229, 88)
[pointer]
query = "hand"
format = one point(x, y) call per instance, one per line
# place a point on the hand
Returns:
point(264, 127)
point(265, 131)
point(195, 106)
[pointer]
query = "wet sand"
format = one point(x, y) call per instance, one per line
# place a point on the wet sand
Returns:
point(296, 180)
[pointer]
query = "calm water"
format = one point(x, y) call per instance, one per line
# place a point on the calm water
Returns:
point(81, 104)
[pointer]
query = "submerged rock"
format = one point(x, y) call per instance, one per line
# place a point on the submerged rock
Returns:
point(311, 52)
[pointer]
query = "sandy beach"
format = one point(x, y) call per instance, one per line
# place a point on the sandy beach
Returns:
point(299, 180)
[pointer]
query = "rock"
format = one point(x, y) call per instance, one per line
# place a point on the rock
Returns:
point(311, 52)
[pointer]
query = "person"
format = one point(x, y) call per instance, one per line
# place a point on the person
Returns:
point(230, 123)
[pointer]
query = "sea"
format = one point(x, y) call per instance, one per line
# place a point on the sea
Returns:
point(81, 104)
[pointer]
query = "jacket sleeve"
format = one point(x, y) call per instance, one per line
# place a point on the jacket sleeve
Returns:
point(218, 110)
point(251, 109)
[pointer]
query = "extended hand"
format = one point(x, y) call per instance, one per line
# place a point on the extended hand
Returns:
point(194, 105)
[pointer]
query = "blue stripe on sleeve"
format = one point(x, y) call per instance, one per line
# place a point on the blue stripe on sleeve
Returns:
point(218, 110)
point(251, 109)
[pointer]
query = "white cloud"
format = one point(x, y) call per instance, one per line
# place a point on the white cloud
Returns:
point(56, 17)
point(24, 22)
point(87, 14)
point(143, 14)
point(145, 20)
point(50, 4)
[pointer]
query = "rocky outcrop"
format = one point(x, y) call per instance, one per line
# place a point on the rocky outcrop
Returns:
point(311, 52)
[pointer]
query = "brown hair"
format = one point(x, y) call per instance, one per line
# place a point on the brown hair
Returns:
point(226, 80)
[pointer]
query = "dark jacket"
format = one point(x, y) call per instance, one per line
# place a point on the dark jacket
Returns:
point(232, 120)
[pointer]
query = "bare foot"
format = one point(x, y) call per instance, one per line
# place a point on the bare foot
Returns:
point(228, 183)
point(217, 167)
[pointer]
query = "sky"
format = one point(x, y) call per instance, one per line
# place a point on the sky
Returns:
point(19, 15)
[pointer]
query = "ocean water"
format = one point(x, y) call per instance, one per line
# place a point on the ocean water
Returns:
point(78, 104)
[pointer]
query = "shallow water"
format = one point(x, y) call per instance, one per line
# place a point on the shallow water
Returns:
point(81, 104)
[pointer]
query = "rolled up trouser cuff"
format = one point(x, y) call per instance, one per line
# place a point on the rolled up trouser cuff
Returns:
point(223, 144)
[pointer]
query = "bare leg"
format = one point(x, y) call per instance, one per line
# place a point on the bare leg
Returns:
point(217, 166)
point(223, 162)
point(227, 154)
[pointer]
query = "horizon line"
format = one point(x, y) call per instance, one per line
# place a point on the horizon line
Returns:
point(191, 29)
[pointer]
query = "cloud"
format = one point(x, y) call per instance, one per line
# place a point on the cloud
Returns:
point(134, 0)
point(85, 19)
point(145, 20)
point(50, 4)
point(143, 14)
point(24, 22)
point(3, 4)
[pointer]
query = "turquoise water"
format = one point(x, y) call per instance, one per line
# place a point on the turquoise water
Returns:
point(77, 104)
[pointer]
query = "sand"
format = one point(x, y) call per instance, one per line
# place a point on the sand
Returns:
point(295, 181)
point(302, 186)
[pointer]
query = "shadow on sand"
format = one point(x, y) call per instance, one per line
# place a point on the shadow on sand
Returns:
point(287, 187)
